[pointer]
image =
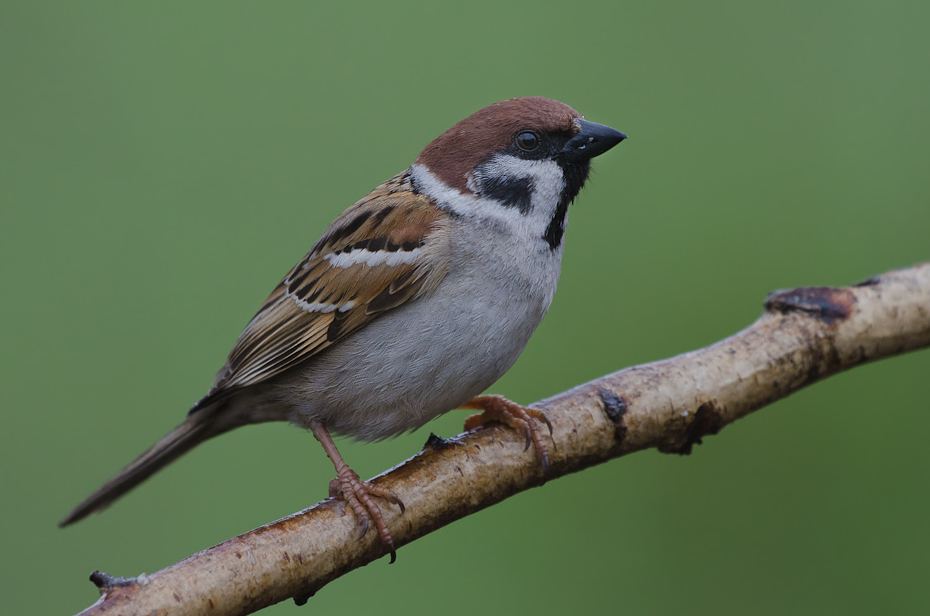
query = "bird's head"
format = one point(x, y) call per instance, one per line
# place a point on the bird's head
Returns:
point(528, 155)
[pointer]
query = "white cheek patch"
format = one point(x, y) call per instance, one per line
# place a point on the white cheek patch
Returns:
point(544, 179)
point(446, 197)
point(371, 259)
point(545, 175)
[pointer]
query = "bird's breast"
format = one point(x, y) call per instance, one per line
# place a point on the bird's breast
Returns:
point(434, 353)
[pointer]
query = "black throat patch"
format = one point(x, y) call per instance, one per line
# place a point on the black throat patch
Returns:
point(575, 175)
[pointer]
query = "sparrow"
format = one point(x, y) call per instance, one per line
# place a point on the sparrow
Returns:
point(414, 301)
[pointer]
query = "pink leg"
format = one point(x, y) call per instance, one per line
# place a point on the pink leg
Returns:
point(356, 492)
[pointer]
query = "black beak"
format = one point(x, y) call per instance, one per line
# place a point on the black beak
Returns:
point(593, 140)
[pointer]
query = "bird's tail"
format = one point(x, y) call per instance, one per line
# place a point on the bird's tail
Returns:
point(198, 427)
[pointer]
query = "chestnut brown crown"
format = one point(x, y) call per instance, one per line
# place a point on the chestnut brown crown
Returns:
point(456, 152)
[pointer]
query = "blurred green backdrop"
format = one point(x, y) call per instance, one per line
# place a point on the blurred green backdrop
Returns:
point(163, 165)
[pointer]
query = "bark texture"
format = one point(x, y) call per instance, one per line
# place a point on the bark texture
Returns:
point(804, 335)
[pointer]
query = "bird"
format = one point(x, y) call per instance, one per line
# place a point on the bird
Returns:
point(412, 303)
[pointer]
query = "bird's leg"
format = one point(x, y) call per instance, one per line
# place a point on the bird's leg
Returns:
point(518, 417)
point(357, 493)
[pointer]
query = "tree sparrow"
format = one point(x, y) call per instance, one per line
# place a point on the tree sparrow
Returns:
point(414, 301)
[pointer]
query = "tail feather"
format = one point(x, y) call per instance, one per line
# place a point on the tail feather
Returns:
point(197, 428)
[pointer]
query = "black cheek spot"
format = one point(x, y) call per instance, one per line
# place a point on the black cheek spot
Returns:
point(510, 191)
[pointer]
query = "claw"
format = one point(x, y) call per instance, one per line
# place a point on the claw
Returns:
point(544, 462)
point(546, 420)
point(389, 496)
point(363, 528)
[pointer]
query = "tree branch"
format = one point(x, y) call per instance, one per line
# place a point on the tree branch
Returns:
point(804, 335)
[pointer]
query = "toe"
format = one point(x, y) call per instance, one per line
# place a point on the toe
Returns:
point(518, 417)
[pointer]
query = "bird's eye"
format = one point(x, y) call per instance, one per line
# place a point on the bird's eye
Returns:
point(527, 140)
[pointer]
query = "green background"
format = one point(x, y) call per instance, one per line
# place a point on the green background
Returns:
point(163, 165)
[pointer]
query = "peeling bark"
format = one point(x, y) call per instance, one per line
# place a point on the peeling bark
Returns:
point(804, 335)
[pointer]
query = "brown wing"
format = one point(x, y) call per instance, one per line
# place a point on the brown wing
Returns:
point(384, 250)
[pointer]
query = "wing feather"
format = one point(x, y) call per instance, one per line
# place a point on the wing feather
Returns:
point(385, 250)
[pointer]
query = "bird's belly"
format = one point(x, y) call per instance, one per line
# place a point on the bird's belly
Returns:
point(411, 365)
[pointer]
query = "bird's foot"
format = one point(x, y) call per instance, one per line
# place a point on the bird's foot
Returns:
point(518, 417)
point(358, 494)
